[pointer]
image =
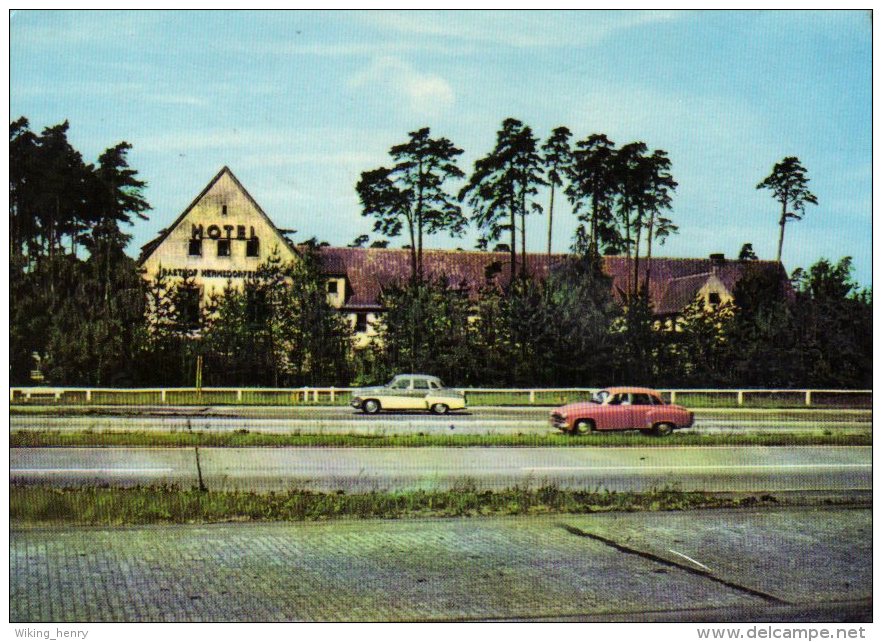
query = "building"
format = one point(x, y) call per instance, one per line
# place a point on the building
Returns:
point(223, 235)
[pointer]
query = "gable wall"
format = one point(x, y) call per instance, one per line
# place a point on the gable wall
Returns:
point(210, 271)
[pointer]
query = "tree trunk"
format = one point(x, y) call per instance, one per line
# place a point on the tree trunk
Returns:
point(637, 253)
point(592, 247)
point(784, 198)
point(649, 251)
point(513, 248)
point(627, 223)
point(550, 218)
point(413, 250)
point(782, 223)
point(419, 218)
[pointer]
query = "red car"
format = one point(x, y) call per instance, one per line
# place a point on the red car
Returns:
point(622, 409)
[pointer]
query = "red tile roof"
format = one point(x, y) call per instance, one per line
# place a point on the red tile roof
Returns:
point(673, 285)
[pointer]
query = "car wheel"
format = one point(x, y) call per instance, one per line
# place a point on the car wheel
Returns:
point(440, 408)
point(371, 406)
point(664, 429)
point(583, 427)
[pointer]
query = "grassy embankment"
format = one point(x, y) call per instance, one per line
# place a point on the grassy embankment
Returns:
point(38, 505)
point(244, 438)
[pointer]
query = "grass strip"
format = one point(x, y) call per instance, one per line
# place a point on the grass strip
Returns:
point(243, 438)
point(41, 505)
point(138, 406)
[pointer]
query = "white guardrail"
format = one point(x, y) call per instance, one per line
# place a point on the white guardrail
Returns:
point(334, 395)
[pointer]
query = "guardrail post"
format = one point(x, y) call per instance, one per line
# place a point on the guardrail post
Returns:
point(808, 397)
point(88, 396)
point(162, 395)
point(532, 396)
point(332, 394)
point(238, 395)
point(740, 397)
point(315, 395)
point(673, 396)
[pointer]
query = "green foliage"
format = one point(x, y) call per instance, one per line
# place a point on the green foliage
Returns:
point(77, 320)
point(591, 190)
point(426, 328)
point(278, 330)
point(412, 193)
point(788, 183)
point(701, 346)
point(173, 504)
point(503, 187)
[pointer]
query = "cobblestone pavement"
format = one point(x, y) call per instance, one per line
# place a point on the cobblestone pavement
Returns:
point(478, 568)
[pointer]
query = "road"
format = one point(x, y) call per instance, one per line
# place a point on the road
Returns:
point(770, 565)
point(747, 469)
point(344, 420)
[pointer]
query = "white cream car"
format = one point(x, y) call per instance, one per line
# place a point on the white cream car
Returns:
point(409, 392)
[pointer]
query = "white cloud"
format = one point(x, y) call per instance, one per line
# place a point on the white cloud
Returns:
point(518, 28)
point(426, 94)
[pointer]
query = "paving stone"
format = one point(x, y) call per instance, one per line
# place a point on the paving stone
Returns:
point(478, 568)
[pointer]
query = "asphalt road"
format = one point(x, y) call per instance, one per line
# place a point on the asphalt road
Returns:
point(769, 565)
point(474, 421)
point(717, 469)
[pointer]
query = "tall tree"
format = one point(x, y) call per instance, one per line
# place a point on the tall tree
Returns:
point(503, 184)
point(557, 157)
point(632, 180)
point(656, 200)
point(592, 186)
point(23, 189)
point(412, 193)
point(63, 206)
point(789, 186)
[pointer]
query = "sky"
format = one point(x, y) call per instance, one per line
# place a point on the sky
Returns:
point(298, 104)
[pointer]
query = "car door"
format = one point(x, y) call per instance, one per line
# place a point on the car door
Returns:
point(397, 395)
point(618, 413)
point(641, 407)
point(418, 394)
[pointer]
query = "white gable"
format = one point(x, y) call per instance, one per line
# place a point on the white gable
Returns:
point(211, 241)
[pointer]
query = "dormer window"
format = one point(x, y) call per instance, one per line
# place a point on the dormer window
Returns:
point(333, 287)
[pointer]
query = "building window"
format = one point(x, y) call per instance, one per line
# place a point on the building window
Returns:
point(361, 322)
point(252, 247)
point(332, 287)
point(195, 248)
point(223, 247)
point(713, 298)
point(257, 308)
point(223, 210)
point(186, 303)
